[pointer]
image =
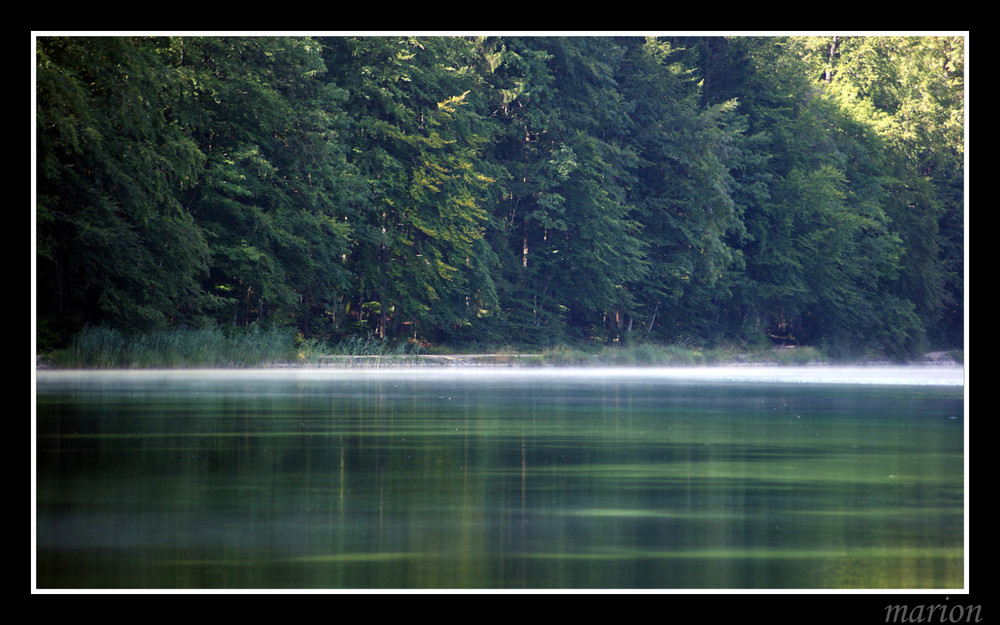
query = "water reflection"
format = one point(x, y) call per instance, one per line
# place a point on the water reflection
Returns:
point(454, 479)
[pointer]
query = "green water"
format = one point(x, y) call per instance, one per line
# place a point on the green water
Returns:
point(494, 480)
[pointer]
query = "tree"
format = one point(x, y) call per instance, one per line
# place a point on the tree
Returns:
point(683, 191)
point(276, 184)
point(821, 252)
point(416, 141)
point(115, 241)
point(572, 251)
point(911, 91)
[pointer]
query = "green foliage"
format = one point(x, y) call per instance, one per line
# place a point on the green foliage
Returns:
point(415, 140)
point(115, 241)
point(618, 191)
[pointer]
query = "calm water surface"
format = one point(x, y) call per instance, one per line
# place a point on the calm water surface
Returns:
point(501, 479)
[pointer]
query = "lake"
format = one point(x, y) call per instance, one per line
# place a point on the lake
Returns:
point(501, 478)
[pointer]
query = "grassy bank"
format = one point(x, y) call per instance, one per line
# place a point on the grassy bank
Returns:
point(106, 348)
point(258, 346)
point(644, 354)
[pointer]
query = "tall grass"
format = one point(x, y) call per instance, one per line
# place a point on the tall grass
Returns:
point(373, 346)
point(101, 347)
point(372, 351)
point(651, 354)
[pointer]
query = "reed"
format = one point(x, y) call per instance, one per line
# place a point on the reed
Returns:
point(102, 347)
point(105, 348)
point(653, 354)
point(373, 346)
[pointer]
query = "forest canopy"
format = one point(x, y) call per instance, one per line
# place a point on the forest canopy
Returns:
point(539, 190)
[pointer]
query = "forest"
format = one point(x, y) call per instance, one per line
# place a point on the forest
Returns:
point(489, 190)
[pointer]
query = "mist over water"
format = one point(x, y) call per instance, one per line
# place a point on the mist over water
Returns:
point(501, 478)
point(930, 375)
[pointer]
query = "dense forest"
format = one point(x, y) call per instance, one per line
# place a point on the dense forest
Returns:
point(536, 191)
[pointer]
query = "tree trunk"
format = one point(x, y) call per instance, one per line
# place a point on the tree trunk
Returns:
point(653, 320)
point(831, 52)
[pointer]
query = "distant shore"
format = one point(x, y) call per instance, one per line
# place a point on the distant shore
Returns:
point(104, 348)
point(940, 358)
point(529, 360)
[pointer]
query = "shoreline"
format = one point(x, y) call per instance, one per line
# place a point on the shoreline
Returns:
point(527, 361)
point(536, 360)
